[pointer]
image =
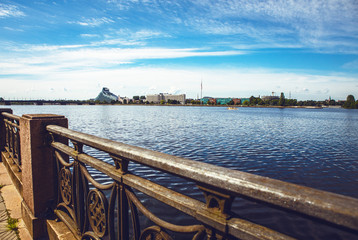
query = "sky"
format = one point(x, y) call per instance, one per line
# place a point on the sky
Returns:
point(70, 49)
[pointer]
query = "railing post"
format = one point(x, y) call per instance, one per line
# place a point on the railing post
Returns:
point(2, 127)
point(38, 170)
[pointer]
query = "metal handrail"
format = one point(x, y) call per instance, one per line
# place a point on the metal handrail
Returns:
point(11, 116)
point(12, 138)
point(333, 208)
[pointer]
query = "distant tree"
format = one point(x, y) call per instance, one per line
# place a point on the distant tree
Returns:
point(332, 102)
point(142, 97)
point(231, 102)
point(162, 101)
point(274, 102)
point(350, 103)
point(136, 97)
point(291, 102)
point(246, 103)
point(310, 103)
point(281, 101)
point(253, 100)
point(195, 101)
point(1, 99)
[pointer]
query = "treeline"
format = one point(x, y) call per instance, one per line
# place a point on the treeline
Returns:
point(282, 101)
point(351, 103)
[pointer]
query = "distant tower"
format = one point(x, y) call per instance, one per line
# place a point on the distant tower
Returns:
point(201, 89)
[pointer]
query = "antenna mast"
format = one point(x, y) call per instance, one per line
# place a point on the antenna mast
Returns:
point(201, 91)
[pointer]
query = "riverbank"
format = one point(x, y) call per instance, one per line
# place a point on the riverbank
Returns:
point(184, 105)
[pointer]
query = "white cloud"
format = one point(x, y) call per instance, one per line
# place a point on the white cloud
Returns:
point(48, 59)
point(351, 65)
point(92, 22)
point(321, 25)
point(89, 35)
point(13, 29)
point(10, 11)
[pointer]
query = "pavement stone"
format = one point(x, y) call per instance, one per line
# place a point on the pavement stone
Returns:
point(5, 233)
point(10, 201)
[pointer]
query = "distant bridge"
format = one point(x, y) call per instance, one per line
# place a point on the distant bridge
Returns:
point(44, 102)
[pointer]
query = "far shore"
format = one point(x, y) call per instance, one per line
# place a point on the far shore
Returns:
point(187, 105)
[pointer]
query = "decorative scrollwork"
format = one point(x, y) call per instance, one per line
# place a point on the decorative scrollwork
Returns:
point(154, 233)
point(96, 209)
point(89, 236)
point(66, 185)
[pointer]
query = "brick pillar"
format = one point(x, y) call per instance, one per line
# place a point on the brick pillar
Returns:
point(2, 127)
point(38, 171)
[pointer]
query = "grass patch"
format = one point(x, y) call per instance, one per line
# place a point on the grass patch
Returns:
point(12, 224)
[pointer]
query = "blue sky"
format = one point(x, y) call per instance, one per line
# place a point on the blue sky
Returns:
point(71, 49)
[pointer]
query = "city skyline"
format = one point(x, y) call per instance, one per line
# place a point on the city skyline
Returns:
point(62, 49)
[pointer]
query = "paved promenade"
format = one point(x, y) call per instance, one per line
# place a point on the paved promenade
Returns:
point(4, 231)
point(10, 201)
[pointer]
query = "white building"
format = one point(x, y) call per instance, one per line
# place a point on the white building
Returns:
point(157, 98)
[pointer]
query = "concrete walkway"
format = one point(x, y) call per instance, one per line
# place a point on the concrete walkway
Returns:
point(4, 231)
point(10, 202)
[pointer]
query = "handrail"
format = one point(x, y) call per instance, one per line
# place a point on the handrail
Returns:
point(239, 228)
point(12, 137)
point(11, 116)
point(333, 208)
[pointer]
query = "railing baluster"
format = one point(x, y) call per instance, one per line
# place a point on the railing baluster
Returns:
point(12, 138)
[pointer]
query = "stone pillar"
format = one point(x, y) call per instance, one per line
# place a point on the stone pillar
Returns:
point(38, 171)
point(2, 127)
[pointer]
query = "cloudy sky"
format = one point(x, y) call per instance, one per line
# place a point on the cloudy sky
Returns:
point(70, 49)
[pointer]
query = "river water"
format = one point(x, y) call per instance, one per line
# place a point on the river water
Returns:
point(312, 147)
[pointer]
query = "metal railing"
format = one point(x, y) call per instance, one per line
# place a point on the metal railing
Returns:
point(90, 213)
point(12, 138)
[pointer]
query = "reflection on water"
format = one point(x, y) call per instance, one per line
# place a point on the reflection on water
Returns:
point(312, 147)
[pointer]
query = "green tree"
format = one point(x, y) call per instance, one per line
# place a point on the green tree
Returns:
point(350, 103)
point(274, 102)
point(281, 101)
point(136, 97)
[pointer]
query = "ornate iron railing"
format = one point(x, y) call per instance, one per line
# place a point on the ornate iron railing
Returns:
point(92, 214)
point(12, 137)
